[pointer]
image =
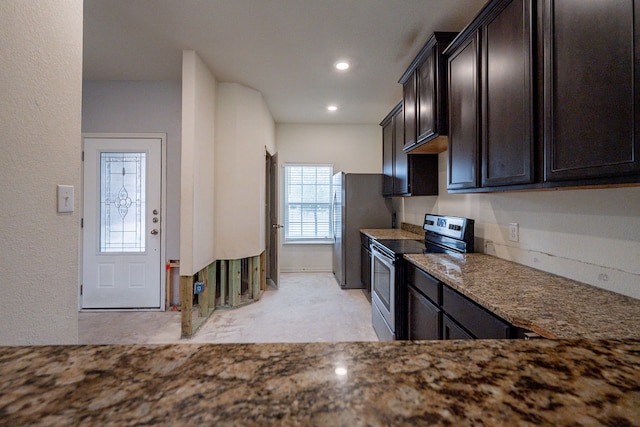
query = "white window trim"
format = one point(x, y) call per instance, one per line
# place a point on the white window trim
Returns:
point(305, 241)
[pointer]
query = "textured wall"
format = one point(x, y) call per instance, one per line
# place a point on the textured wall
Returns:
point(244, 129)
point(40, 102)
point(350, 148)
point(197, 166)
point(590, 235)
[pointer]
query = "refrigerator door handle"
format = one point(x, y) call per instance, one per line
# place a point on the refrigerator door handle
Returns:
point(333, 211)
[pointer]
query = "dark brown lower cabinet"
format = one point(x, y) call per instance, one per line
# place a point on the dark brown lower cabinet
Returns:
point(451, 330)
point(436, 311)
point(365, 264)
point(424, 317)
point(475, 319)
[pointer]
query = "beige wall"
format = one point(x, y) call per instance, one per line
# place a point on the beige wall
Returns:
point(590, 235)
point(350, 148)
point(40, 99)
point(142, 107)
point(197, 165)
point(244, 131)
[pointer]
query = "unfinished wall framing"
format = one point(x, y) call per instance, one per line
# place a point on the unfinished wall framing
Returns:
point(227, 284)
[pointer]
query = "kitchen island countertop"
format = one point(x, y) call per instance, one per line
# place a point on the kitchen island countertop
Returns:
point(488, 382)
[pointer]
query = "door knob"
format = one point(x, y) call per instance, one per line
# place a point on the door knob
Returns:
point(154, 231)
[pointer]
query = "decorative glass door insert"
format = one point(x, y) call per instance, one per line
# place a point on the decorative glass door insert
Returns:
point(122, 202)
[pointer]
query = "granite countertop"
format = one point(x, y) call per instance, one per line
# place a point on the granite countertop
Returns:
point(550, 305)
point(488, 382)
point(391, 233)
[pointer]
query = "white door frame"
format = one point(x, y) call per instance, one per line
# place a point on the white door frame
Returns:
point(163, 221)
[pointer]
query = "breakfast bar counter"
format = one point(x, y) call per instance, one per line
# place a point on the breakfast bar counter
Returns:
point(484, 382)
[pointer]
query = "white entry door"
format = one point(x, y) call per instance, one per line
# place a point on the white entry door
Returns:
point(121, 234)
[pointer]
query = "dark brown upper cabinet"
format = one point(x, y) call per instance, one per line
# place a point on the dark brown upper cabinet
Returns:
point(409, 97)
point(491, 104)
point(464, 115)
point(424, 90)
point(549, 92)
point(405, 174)
point(592, 89)
point(507, 95)
point(387, 156)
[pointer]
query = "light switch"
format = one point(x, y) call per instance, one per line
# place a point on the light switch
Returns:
point(65, 198)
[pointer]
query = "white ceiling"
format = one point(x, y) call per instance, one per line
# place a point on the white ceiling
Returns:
point(283, 48)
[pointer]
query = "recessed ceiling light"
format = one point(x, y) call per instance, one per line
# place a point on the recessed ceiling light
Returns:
point(342, 65)
point(332, 108)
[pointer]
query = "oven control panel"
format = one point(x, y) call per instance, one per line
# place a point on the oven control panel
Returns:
point(446, 225)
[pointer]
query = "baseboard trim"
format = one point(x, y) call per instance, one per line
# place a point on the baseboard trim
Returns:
point(311, 270)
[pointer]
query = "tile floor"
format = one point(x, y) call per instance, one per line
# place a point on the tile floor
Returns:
point(307, 307)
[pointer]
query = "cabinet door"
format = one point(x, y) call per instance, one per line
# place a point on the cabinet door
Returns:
point(507, 102)
point(409, 92)
point(387, 158)
point(473, 317)
point(426, 98)
point(401, 162)
point(424, 317)
point(365, 269)
point(592, 88)
point(463, 116)
point(451, 330)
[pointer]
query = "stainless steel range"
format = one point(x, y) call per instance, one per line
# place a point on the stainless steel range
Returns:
point(443, 234)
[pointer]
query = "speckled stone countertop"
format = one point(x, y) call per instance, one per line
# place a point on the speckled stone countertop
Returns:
point(552, 306)
point(461, 383)
point(391, 233)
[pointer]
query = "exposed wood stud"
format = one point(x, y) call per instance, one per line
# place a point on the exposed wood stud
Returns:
point(211, 274)
point(224, 283)
point(255, 277)
point(186, 303)
point(203, 298)
point(235, 282)
point(263, 271)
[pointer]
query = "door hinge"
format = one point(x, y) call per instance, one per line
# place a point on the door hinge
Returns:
point(81, 289)
point(81, 222)
point(83, 156)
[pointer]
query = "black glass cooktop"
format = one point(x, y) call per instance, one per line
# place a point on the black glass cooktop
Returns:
point(403, 246)
point(400, 247)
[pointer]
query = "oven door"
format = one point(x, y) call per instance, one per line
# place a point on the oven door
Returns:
point(383, 294)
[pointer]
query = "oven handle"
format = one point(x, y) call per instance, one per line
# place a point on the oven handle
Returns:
point(384, 258)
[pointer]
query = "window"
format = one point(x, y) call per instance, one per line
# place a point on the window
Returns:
point(307, 203)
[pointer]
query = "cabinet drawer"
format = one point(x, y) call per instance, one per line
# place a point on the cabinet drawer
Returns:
point(425, 283)
point(472, 317)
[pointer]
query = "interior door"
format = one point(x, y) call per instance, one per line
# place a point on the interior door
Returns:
point(121, 231)
point(274, 226)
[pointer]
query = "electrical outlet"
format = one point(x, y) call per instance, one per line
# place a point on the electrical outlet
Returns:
point(513, 231)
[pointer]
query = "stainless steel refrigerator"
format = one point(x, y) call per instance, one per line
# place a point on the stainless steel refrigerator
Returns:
point(357, 204)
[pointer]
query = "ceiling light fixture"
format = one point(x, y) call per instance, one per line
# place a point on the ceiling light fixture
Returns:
point(332, 108)
point(342, 65)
